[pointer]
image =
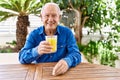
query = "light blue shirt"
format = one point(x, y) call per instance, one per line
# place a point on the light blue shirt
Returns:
point(67, 48)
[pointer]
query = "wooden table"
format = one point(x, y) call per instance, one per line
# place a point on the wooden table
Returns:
point(43, 71)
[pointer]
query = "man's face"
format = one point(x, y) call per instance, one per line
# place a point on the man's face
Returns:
point(50, 17)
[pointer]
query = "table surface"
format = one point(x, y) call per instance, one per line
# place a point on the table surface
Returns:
point(43, 71)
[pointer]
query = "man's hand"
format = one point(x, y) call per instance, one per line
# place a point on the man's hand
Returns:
point(44, 48)
point(60, 68)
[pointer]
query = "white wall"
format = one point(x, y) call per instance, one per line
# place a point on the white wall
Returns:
point(8, 28)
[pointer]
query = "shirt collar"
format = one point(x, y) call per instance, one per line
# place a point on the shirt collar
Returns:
point(58, 30)
point(42, 30)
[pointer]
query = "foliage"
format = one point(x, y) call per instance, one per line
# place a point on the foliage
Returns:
point(101, 50)
point(107, 57)
point(90, 50)
point(5, 50)
point(118, 9)
point(9, 8)
point(94, 14)
point(105, 50)
point(107, 54)
point(13, 43)
point(21, 9)
point(117, 17)
point(9, 48)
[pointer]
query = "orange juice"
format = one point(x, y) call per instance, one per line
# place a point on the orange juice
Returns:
point(53, 42)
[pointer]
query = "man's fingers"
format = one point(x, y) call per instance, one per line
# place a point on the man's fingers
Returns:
point(44, 43)
point(55, 68)
point(60, 68)
point(44, 47)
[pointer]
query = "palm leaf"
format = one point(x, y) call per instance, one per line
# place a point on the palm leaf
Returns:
point(9, 5)
point(35, 8)
point(15, 4)
point(8, 11)
point(5, 16)
point(27, 4)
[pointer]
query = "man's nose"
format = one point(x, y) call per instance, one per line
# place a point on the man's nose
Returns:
point(50, 18)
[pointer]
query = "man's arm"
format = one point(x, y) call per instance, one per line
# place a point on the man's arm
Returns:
point(28, 53)
point(27, 56)
point(73, 56)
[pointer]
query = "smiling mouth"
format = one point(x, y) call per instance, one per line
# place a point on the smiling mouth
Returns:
point(50, 24)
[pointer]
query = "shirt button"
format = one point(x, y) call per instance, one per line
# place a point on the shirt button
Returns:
point(61, 46)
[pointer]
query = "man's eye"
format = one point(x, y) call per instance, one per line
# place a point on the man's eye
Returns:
point(47, 15)
point(54, 15)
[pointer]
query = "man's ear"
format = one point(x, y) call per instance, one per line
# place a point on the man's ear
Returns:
point(60, 16)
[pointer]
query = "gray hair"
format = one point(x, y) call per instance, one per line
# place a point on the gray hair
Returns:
point(51, 3)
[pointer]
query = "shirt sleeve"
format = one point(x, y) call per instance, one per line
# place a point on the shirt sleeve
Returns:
point(73, 56)
point(28, 53)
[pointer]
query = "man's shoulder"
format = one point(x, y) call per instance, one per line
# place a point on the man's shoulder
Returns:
point(63, 27)
point(40, 28)
point(37, 30)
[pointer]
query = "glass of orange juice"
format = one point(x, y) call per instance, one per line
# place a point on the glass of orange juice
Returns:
point(53, 42)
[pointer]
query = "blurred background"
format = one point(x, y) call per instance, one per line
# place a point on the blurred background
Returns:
point(95, 24)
